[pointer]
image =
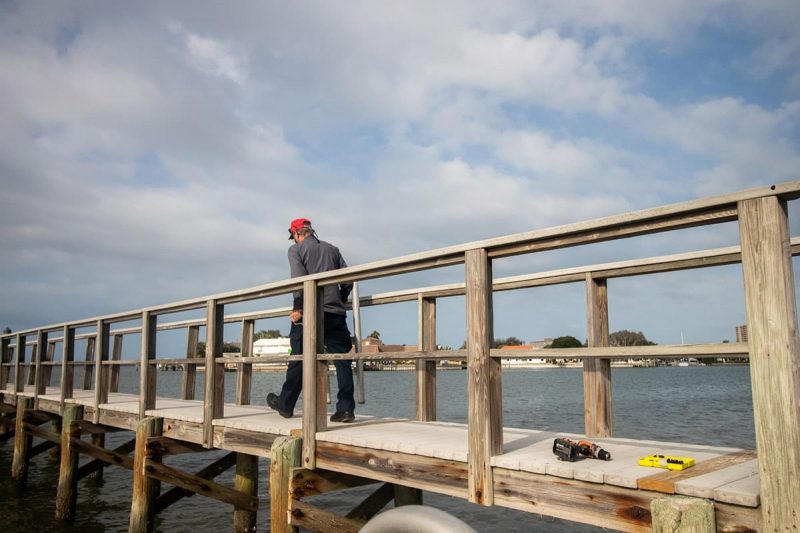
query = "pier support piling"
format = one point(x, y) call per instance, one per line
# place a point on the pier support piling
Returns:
point(22, 443)
point(677, 513)
point(145, 488)
point(55, 453)
point(67, 492)
point(285, 456)
point(246, 481)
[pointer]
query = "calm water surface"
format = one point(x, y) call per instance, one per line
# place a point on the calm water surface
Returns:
point(700, 405)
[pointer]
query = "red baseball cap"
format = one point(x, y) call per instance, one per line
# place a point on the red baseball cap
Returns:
point(297, 224)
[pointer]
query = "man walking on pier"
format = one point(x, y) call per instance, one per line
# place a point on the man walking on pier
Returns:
point(309, 255)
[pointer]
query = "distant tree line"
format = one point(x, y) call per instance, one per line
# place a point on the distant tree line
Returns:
point(622, 337)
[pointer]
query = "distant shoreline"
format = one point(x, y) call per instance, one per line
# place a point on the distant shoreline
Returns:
point(278, 367)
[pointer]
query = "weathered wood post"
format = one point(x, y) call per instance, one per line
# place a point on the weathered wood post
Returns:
point(285, 455)
point(147, 371)
point(672, 514)
point(190, 371)
point(101, 370)
point(246, 481)
point(39, 383)
point(484, 391)
point(31, 379)
point(774, 357)
point(19, 370)
point(360, 394)
point(88, 368)
point(22, 443)
point(598, 411)
point(5, 345)
point(50, 356)
point(116, 355)
point(314, 372)
point(55, 427)
point(426, 370)
point(67, 492)
point(244, 371)
point(67, 368)
point(145, 488)
point(214, 396)
point(5, 358)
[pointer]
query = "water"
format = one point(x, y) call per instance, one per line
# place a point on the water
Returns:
point(702, 405)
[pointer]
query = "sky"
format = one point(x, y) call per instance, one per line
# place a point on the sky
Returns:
point(155, 151)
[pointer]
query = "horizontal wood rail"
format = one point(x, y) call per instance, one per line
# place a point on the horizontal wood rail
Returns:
point(634, 267)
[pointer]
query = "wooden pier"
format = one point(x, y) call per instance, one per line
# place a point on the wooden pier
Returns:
point(481, 461)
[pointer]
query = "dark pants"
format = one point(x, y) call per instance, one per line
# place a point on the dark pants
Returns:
point(337, 340)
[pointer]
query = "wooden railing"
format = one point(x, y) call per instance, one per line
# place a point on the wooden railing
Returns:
point(765, 253)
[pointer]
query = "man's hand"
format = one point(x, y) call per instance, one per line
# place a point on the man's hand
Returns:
point(296, 316)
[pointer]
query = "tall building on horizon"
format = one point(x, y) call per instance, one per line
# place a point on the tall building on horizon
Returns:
point(741, 333)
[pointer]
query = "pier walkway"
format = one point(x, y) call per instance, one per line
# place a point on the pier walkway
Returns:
point(481, 461)
point(724, 475)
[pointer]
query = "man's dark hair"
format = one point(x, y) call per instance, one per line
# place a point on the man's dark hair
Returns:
point(305, 231)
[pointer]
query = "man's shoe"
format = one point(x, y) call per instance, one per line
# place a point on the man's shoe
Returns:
point(343, 416)
point(272, 401)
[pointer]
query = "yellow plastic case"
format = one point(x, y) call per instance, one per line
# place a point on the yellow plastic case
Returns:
point(670, 462)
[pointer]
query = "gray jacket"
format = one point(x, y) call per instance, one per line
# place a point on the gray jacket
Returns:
point(312, 256)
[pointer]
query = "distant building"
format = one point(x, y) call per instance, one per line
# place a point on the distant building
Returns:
point(373, 345)
point(278, 346)
point(741, 333)
point(542, 343)
point(525, 347)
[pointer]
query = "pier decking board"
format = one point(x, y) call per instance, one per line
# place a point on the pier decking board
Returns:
point(254, 427)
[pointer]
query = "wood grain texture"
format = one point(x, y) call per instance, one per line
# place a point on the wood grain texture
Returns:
point(190, 371)
point(100, 370)
point(147, 372)
point(19, 360)
point(313, 399)
point(437, 475)
point(315, 519)
point(6, 356)
point(244, 372)
point(39, 383)
point(214, 396)
point(305, 483)
point(67, 492)
point(116, 355)
point(145, 486)
point(286, 455)
point(774, 356)
point(67, 369)
point(246, 483)
point(426, 370)
point(597, 396)
point(484, 394)
point(22, 443)
point(88, 369)
point(356, 306)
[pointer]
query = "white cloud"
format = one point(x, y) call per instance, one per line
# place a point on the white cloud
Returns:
point(215, 58)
